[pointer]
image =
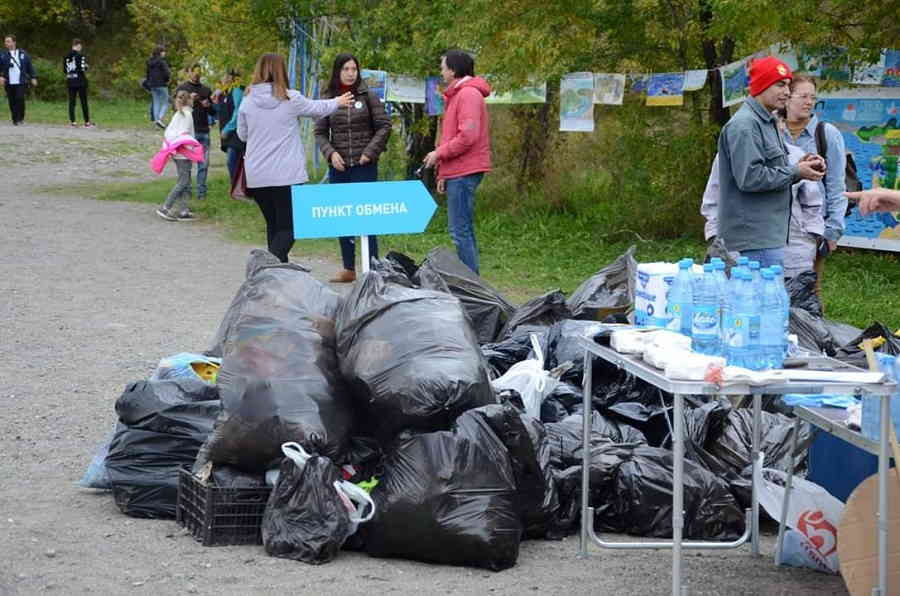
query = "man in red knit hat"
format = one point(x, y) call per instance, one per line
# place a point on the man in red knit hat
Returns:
point(755, 177)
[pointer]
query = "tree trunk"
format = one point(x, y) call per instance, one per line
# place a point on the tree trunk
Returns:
point(536, 134)
point(418, 139)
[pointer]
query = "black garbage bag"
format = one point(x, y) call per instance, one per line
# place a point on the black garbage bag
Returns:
point(638, 500)
point(305, 518)
point(812, 332)
point(280, 379)
point(486, 307)
point(562, 346)
point(231, 477)
point(447, 497)
point(258, 261)
point(733, 444)
point(529, 454)
point(396, 268)
point(162, 425)
point(802, 290)
point(410, 356)
point(502, 355)
point(541, 311)
point(853, 354)
point(565, 437)
point(842, 333)
point(143, 467)
point(182, 406)
point(609, 291)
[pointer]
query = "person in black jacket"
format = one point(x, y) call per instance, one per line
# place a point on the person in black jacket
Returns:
point(16, 71)
point(203, 107)
point(157, 82)
point(74, 66)
point(351, 140)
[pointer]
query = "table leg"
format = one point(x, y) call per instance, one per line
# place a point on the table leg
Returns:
point(754, 456)
point(786, 501)
point(587, 415)
point(883, 496)
point(677, 493)
point(364, 245)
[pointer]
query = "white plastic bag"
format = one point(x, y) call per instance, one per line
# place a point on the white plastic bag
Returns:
point(813, 516)
point(293, 451)
point(357, 502)
point(529, 378)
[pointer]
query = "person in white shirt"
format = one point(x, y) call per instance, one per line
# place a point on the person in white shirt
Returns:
point(16, 72)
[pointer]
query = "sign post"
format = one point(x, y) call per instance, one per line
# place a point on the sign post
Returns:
point(361, 209)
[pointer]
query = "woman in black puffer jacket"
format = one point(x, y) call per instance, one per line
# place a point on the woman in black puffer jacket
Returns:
point(352, 139)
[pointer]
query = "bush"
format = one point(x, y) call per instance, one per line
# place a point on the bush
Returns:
point(51, 79)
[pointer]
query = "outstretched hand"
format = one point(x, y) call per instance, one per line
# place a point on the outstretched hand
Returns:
point(345, 99)
point(876, 199)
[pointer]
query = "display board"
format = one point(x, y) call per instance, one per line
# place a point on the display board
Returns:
point(869, 121)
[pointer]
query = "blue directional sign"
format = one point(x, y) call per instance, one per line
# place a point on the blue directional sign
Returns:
point(361, 209)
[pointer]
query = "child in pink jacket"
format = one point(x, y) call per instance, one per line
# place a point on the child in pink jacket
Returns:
point(180, 126)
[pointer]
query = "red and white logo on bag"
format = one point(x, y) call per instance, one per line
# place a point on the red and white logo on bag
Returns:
point(819, 531)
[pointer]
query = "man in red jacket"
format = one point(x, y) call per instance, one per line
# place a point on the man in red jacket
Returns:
point(463, 154)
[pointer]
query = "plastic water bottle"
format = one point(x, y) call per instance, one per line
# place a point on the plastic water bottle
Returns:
point(680, 301)
point(722, 282)
point(730, 293)
point(757, 278)
point(705, 327)
point(743, 262)
point(771, 326)
point(743, 343)
point(778, 273)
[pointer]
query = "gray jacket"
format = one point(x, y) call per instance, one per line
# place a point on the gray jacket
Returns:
point(269, 126)
point(754, 181)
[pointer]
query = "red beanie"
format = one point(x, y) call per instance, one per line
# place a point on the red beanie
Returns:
point(765, 72)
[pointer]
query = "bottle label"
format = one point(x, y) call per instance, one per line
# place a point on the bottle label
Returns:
point(705, 321)
point(740, 332)
point(754, 329)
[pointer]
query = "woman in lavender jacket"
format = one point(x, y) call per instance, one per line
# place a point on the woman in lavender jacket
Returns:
point(275, 159)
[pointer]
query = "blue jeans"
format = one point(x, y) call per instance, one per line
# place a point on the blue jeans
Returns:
point(766, 256)
point(202, 166)
point(159, 102)
point(366, 173)
point(461, 215)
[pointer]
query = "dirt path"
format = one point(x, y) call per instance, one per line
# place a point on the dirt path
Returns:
point(92, 294)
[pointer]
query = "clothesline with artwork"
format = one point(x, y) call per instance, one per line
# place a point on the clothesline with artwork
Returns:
point(579, 92)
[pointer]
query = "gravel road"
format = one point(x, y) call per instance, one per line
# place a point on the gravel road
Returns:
point(92, 295)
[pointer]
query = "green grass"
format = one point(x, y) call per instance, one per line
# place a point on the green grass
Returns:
point(527, 250)
point(121, 113)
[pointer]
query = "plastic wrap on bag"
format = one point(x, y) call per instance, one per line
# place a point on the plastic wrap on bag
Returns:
point(397, 268)
point(842, 333)
point(638, 500)
point(487, 309)
point(410, 357)
point(529, 453)
point(143, 464)
point(305, 518)
point(141, 401)
point(542, 311)
point(802, 290)
point(811, 331)
point(447, 497)
point(609, 291)
point(853, 354)
point(258, 260)
point(563, 346)
point(517, 347)
point(280, 379)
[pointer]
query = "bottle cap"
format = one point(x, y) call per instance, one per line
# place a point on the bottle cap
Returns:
point(707, 267)
point(743, 261)
point(767, 274)
point(754, 264)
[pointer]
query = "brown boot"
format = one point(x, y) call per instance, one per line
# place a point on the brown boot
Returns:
point(344, 276)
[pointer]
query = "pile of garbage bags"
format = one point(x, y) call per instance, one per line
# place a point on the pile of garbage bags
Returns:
point(381, 423)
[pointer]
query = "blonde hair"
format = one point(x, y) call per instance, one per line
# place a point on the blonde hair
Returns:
point(270, 68)
point(182, 99)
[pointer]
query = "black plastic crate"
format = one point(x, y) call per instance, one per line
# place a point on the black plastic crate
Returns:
point(220, 516)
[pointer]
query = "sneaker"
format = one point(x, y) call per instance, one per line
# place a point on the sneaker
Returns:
point(201, 197)
point(164, 213)
point(344, 276)
point(72, 124)
point(186, 216)
point(160, 124)
point(88, 125)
